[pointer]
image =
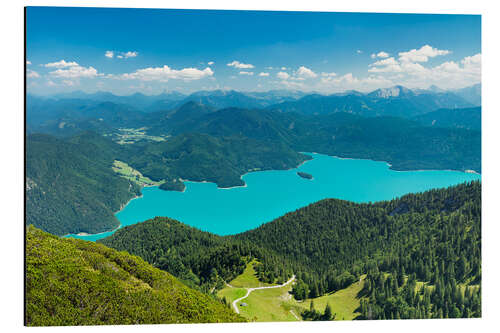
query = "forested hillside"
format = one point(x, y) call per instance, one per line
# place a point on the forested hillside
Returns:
point(202, 157)
point(70, 186)
point(200, 259)
point(405, 144)
point(73, 282)
point(468, 118)
point(433, 238)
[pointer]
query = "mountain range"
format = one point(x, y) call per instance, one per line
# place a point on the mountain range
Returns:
point(67, 114)
point(396, 100)
point(418, 256)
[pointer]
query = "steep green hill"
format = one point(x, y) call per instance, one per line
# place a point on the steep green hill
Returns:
point(70, 186)
point(74, 282)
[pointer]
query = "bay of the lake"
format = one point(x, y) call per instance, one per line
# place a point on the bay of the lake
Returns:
point(270, 194)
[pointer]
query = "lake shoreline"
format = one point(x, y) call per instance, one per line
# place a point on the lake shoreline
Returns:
point(246, 173)
point(318, 156)
point(122, 207)
point(395, 170)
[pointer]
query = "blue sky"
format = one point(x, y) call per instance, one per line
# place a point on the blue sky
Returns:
point(152, 50)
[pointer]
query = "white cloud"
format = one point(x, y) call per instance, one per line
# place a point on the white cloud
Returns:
point(447, 75)
point(69, 83)
point(61, 64)
point(166, 73)
point(359, 51)
point(246, 73)
point(421, 55)
point(28, 62)
point(472, 62)
point(413, 68)
point(121, 55)
point(385, 62)
point(75, 71)
point(263, 74)
point(347, 78)
point(381, 54)
point(32, 74)
point(389, 65)
point(349, 81)
point(306, 73)
point(237, 64)
point(130, 54)
point(301, 74)
point(284, 68)
point(283, 75)
point(409, 69)
point(449, 66)
point(210, 63)
point(292, 84)
point(471, 68)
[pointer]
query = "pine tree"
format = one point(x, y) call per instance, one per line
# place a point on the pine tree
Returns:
point(328, 313)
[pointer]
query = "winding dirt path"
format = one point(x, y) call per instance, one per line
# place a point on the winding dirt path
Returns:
point(249, 290)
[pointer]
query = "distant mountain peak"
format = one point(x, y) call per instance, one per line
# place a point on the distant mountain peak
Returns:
point(395, 91)
point(435, 88)
point(349, 92)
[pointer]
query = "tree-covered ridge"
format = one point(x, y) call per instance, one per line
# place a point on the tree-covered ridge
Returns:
point(202, 157)
point(425, 237)
point(432, 237)
point(468, 118)
point(200, 259)
point(405, 144)
point(73, 282)
point(70, 186)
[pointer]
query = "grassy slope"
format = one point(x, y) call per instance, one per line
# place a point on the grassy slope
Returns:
point(248, 279)
point(262, 305)
point(231, 293)
point(236, 287)
point(343, 302)
point(129, 173)
point(275, 304)
point(268, 305)
point(74, 282)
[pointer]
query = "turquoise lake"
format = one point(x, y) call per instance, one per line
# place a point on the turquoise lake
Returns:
point(270, 194)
